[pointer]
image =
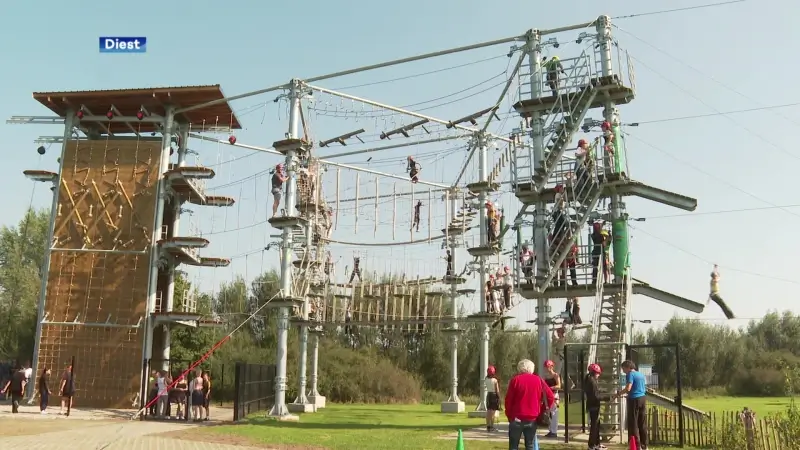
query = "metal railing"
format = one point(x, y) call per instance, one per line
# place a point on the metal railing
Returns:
point(596, 316)
point(567, 79)
point(188, 304)
point(573, 84)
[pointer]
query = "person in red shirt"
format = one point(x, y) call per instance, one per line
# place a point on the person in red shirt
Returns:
point(527, 397)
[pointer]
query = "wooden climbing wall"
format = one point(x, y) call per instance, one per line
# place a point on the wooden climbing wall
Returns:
point(99, 268)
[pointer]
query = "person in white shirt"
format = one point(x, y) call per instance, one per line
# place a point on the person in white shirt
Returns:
point(161, 383)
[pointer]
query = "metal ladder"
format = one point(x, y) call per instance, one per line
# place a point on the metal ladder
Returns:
point(611, 327)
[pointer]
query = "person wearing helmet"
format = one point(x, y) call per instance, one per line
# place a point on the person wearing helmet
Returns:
point(593, 402)
point(278, 178)
point(413, 170)
point(492, 397)
point(553, 68)
point(553, 381)
point(714, 296)
point(491, 219)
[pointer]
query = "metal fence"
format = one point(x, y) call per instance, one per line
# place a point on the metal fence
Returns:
point(254, 386)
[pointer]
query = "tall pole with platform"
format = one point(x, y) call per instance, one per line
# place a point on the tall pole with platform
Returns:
point(583, 83)
point(453, 404)
point(483, 176)
point(534, 40)
point(287, 222)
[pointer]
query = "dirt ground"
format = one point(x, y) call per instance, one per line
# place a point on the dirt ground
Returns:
point(200, 435)
point(16, 427)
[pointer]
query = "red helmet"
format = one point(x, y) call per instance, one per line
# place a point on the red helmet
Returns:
point(559, 188)
point(279, 166)
point(606, 125)
point(582, 143)
point(549, 363)
point(595, 368)
point(597, 226)
point(490, 371)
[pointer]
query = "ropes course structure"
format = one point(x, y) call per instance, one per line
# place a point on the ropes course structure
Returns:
point(453, 191)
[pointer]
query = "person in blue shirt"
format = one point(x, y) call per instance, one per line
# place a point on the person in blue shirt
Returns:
point(635, 388)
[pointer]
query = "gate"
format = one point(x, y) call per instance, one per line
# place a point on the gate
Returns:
point(661, 366)
point(254, 389)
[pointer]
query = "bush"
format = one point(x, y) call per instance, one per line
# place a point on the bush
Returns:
point(348, 376)
point(761, 382)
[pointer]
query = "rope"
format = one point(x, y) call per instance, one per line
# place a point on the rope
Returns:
point(213, 348)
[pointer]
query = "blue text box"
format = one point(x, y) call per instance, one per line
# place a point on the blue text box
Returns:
point(112, 44)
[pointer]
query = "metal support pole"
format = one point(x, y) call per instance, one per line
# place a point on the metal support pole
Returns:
point(540, 213)
point(619, 223)
point(279, 409)
point(314, 391)
point(152, 288)
point(453, 399)
point(48, 253)
point(484, 357)
point(302, 360)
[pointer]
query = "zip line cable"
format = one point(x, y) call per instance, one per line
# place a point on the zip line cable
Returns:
point(688, 8)
point(213, 348)
point(695, 255)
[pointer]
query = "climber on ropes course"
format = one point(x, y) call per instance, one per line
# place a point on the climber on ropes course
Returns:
point(356, 269)
point(608, 147)
point(491, 303)
point(491, 220)
point(553, 67)
point(449, 259)
point(526, 259)
point(714, 296)
point(570, 265)
point(413, 170)
point(573, 311)
point(278, 178)
point(417, 208)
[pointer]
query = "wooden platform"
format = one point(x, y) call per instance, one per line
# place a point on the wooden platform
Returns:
point(300, 146)
point(483, 186)
point(281, 222)
point(488, 250)
point(285, 302)
point(609, 88)
point(129, 101)
point(529, 291)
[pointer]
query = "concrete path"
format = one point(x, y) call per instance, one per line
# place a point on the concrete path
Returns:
point(112, 434)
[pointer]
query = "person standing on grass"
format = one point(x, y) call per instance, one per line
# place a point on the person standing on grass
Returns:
point(636, 404)
point(16, 386)
point(66, 390)
point(526, 397)
point(492, 397)
point(593, 399)
point(44, 390)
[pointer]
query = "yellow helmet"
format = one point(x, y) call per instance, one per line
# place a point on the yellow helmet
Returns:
point(554, 58)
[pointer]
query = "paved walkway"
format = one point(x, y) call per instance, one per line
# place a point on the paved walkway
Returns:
point(117, 434)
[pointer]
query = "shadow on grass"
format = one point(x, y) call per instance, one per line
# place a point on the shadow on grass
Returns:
point(451, 428)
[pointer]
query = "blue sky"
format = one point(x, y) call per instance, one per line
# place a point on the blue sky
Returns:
point(698, 62)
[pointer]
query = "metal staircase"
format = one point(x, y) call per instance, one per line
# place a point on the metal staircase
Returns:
point(610, 327)
point(560, 123)
point(582, 196)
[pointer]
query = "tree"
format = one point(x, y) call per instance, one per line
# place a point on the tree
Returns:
point(21, 255)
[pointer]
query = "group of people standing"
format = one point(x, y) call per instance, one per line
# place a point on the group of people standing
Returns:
point(20, 377)
point(532, 401)
point(166, 391)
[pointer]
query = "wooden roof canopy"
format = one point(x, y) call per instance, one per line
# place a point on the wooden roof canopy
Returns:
point(129, 101)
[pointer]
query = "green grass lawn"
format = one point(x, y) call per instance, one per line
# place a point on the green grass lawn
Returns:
point(354, 427)
point(763, 406)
